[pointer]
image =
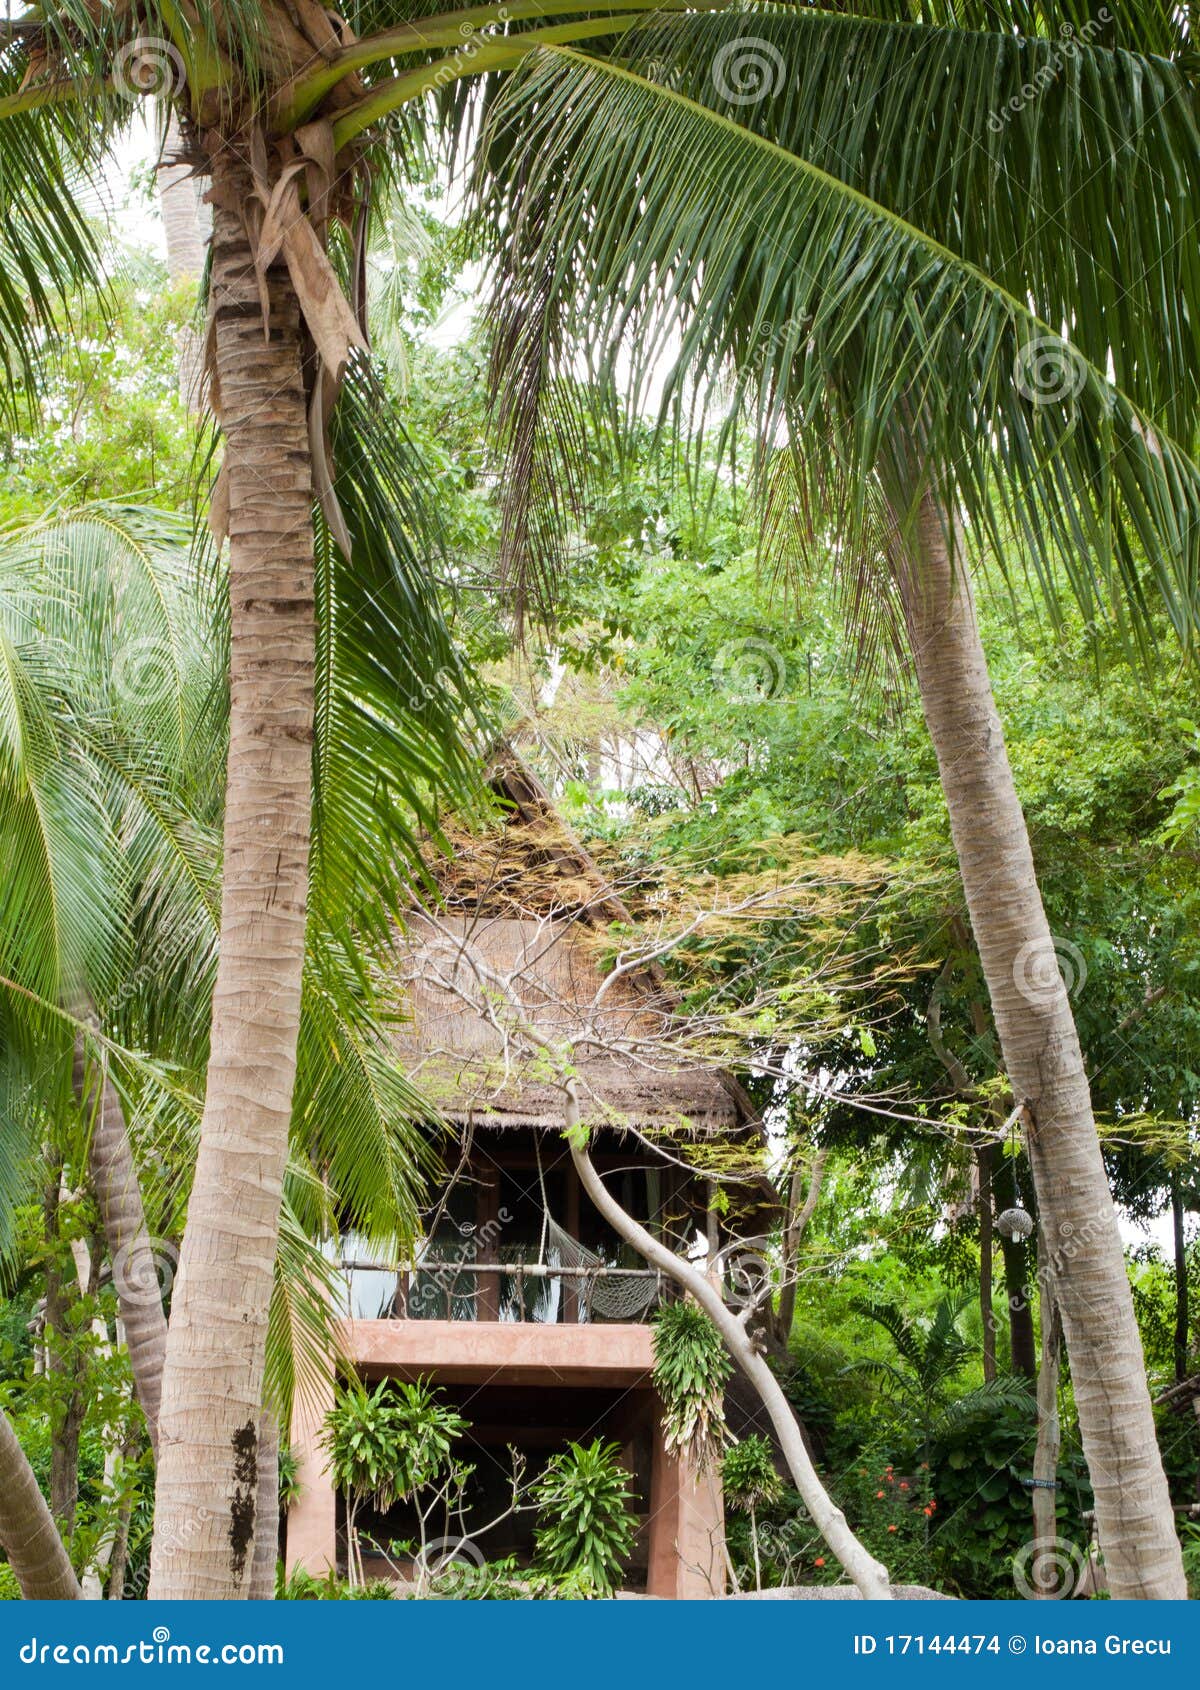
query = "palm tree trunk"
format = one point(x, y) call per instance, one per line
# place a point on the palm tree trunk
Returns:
point(28, 1534)
point(131, 1250)
point(1033, 1018)
point(266, 1530)
point(208, 1467)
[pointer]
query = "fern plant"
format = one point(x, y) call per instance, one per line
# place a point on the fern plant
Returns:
point(585, 1525)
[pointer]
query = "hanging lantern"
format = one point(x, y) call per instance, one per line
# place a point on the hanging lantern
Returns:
point(1014, 1223)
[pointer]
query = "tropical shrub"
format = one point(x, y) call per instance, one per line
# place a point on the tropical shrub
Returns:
point(585, 1526)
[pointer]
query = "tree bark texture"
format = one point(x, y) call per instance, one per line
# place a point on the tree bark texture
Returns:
point(208, 1463)
point(1034, 1021)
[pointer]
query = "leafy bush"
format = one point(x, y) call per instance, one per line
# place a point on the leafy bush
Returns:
point(691, 1370)
point(585, 1527)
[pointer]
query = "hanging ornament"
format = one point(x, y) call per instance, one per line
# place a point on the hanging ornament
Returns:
point(1014, 1223)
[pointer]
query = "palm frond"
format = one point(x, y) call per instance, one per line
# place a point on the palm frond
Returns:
point(678, 232)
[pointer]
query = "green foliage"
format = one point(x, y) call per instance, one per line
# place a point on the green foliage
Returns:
point(388, 1443)
point(691, 1369)
point(300, 1586)
point(585, 1529)
point(748, 1473)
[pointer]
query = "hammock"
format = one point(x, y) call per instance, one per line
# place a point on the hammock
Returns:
point(618, 1298)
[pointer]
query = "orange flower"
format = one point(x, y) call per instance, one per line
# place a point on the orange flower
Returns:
point(927, 1512)
point(904, 1484)
point(891, 1528)
point(820, 1561)
point(878, 1495)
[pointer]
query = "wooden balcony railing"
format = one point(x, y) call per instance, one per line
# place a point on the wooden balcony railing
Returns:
point(501, 1290)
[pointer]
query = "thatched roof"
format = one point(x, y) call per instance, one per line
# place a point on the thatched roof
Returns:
point(526, 902)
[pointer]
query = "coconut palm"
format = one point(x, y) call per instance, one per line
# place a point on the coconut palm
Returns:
point(112, 729)
point(866, 252)
point(888, 246)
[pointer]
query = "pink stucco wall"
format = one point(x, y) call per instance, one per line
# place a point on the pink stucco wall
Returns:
point(686, 1545)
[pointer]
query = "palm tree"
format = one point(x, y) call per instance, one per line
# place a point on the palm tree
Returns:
point(889, 247)
point(112, 728)
point(861, 246)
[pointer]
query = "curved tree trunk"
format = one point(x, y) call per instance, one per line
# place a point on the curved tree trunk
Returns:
point(135, 1266)
point(28, 1534)
point(870, 1577)
point(208, 1468)
point(1033, 1018)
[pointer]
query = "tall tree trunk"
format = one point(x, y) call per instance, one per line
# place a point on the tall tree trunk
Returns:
point(1048, 1562)
point(213, 1380)
point(135, 1265)
point(266, 1530)
point(28, 1534)
point(1033, 1019)
point(186, 224)
point(983, 1161)
point(800, 1211)
point(1182, 1312)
